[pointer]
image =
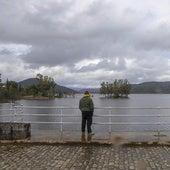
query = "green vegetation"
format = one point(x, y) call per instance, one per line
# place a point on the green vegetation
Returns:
point(45, 86)
point(119, 88)
point(41, 87)
point(9, 91)
point(44, 89)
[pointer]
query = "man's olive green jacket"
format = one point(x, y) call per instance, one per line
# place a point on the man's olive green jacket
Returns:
point(86, 104)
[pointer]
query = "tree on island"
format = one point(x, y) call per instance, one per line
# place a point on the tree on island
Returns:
point(119, 88)
point(9, 91)
point(45, 86)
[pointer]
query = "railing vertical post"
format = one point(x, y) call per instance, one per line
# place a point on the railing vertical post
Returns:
point(158, 125)
point(22, 112)
point(15, 113)
point(61, 124)
point(12, 110)
point(110, 124)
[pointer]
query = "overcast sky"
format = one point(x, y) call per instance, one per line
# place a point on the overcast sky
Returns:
point(81, 43)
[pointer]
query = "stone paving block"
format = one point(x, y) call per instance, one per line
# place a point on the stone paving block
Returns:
point(89, 156)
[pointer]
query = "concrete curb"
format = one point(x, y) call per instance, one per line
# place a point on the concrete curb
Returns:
point(52, 142)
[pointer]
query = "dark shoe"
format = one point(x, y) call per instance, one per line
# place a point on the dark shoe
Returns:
point(83, 138)
point(89, 136)
point(92, 133)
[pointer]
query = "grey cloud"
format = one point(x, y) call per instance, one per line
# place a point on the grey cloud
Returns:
point(155, 38)
point(5, 52)
point(106, 65)
point(71, 39)
point(60, 34)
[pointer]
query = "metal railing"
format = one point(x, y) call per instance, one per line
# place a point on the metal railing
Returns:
point(60, 112)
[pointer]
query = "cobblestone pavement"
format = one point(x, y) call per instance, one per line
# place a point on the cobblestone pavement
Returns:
point(80, 157)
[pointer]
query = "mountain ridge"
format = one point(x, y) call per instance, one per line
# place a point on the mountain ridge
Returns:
point(141, 88)
point(34, 81)
point(151, 87)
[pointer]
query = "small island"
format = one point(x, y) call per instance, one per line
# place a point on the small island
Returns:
point(39, 88)
point(118, 89)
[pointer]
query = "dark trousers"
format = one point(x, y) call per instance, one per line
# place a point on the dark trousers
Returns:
point(86, 119)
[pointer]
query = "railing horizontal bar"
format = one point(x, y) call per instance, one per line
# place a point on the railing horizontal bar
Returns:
point(37, 114)
point(7, 109)
point(63, 107)
point(44, 107)
point(102, 123)
point(95, 115)
point(155, 108)
point(6, 115)
point(132, 123)
point(51, 122)
point(71, 115)
point(132, 115)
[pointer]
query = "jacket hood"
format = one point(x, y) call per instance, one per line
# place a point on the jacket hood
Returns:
point(86, 95)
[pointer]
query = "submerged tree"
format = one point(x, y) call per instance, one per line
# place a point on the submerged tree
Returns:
point(103, 89)
point(9, 90)
point(45, 85)
point(116, 89)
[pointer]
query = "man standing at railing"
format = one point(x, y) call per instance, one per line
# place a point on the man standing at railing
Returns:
point(87, 108)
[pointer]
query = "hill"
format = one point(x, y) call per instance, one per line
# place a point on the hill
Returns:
point(90, 90)
point(151, 87)
point(34, 81)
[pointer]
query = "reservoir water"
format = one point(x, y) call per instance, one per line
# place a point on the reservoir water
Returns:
point(124, 122)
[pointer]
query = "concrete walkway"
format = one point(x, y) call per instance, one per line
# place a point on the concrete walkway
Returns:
point(83, 157)
point(64, 151)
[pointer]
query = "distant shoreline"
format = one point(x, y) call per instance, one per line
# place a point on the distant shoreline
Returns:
point(35, 98)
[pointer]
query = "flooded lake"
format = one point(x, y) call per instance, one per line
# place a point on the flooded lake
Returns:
point(133, 119)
